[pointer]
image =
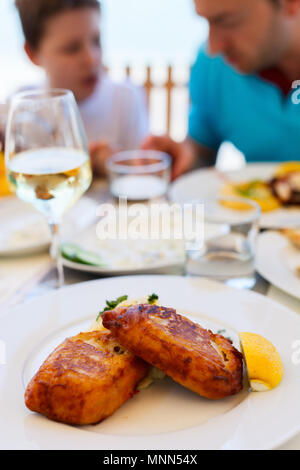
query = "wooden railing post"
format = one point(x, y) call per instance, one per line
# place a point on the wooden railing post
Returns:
point(148, 85)
point(128, 71)
point(169, 85)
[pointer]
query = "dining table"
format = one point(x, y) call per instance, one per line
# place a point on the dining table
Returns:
point(43, 280)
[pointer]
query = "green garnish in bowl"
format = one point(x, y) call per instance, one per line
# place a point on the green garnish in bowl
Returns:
point(74, 253)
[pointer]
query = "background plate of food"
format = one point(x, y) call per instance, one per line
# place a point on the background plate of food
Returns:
point(278, 259)
point(25, 231)
point(166, 414)
point(275, 187)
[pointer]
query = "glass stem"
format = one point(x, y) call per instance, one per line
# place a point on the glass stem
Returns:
point(55, 252)
point(186, 260)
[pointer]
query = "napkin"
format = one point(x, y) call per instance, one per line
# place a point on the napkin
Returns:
point(19, 275)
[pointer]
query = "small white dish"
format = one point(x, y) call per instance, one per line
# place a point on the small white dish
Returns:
point(127, 256)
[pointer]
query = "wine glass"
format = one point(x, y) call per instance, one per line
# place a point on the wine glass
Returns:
point(47, 157)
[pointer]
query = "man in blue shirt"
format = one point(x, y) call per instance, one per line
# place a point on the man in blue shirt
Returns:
point(243, 85)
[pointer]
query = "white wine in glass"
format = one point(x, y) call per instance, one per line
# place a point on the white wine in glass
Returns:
point(46, 155)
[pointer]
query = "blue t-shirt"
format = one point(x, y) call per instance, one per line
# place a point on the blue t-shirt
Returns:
point(246, 110)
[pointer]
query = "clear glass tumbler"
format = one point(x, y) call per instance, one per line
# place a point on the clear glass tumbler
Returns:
point(226, 251)
point(139, 175)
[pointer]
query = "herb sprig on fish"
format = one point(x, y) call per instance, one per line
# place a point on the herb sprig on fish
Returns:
point(111, 304)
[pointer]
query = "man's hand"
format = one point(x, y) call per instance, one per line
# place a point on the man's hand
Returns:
point(182, 160)
point(99, 152)
point(184, 154)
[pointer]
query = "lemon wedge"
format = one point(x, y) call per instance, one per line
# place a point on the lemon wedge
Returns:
point(263, 362)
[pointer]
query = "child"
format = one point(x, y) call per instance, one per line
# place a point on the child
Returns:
point(63, 37)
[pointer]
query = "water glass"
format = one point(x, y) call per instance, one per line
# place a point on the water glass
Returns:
point(139, 175)
point(226, 251)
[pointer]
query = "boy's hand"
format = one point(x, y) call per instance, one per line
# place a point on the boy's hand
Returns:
point(99, 152)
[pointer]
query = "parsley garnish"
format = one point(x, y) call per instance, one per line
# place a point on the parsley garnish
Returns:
point(152, 298)
point(220, 332)
point(111, 304)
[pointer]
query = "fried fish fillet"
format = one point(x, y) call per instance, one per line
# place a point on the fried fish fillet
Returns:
point(196, 358)
point(86, 379)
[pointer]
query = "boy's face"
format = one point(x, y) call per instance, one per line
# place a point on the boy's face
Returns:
point(70, 51)
point(250, 34)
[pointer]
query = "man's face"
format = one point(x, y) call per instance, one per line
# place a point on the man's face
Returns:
point(250, 34)
point(70, 51)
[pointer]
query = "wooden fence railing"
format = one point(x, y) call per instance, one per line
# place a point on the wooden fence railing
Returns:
point(169, 85)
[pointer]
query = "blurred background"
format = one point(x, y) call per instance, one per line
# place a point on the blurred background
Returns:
point(161, 35)
point(135, 33)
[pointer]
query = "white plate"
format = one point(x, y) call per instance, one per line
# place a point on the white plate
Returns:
point(127, 256)
point(24, 231)
point(206, 184)
point(165, 416)
point(276, 261)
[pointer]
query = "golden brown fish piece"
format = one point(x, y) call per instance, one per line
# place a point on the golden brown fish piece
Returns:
point(86, 379)
point(196, 358)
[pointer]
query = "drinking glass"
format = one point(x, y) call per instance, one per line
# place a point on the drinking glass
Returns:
point(226, 250)
point(46, 156)
point(139, 175)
